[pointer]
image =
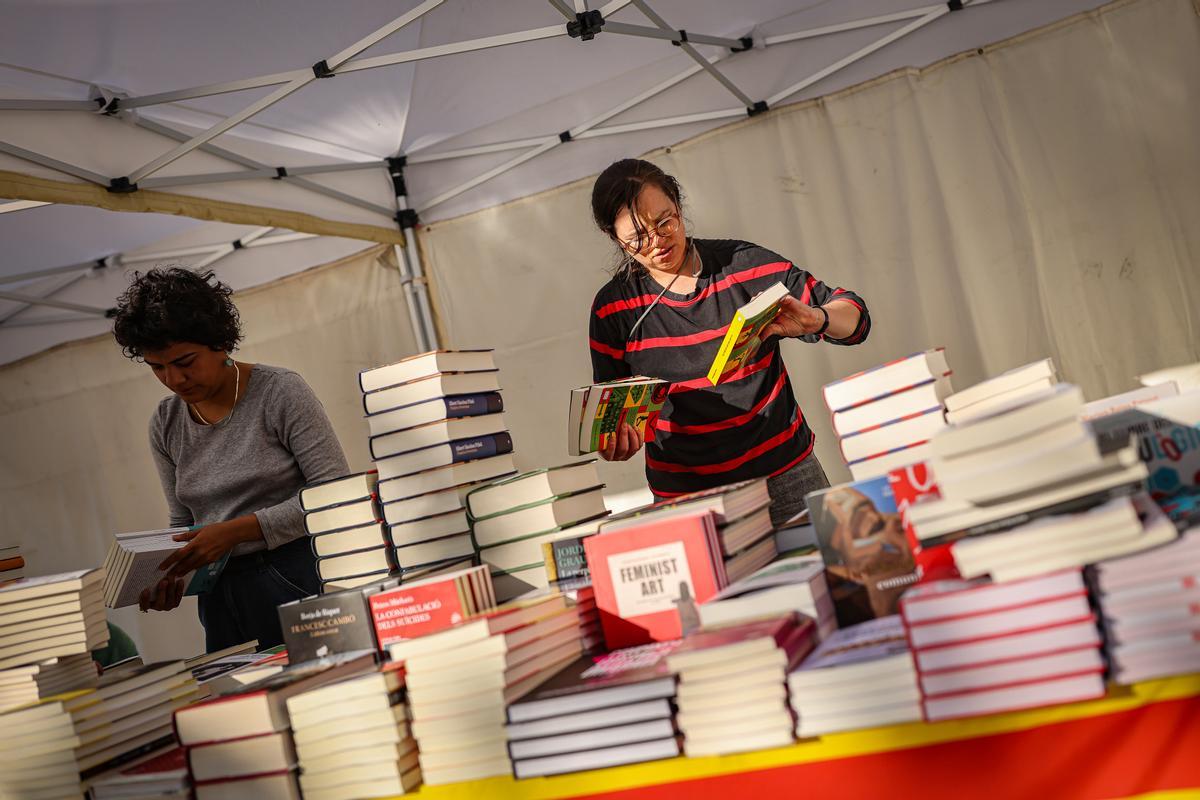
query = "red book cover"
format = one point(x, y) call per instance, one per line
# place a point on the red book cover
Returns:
point(417, 610)
point(912, 484)
point(645, 576)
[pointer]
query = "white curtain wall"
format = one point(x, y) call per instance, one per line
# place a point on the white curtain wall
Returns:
point(76, 465)
point(1036, 198)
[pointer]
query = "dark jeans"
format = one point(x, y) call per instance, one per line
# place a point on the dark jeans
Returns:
point(788, 489)
point(242, 605)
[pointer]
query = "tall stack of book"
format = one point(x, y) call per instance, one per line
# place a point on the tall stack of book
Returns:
point(352, 738)
point(1150, 604)
point(615, 709)
point(512, 518)
point(436, 431)
point(591, 633)
point(128, 713)
point(649, 573)
point(885, 416)
point(345, 528)
point(1030, 458)
point(240, 744)
point(860, 677)
point(983, 648)
point(793, 584)
point(461, 680)
point(37, 753)
point(12, 563)
point(1119, 527)
point(987, 396)
point(29, 683)
point(51, 616)
point(732, 691)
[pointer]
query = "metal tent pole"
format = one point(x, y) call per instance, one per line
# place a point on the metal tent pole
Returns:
point(408, 260)
point(53, 290)
point(44, 301)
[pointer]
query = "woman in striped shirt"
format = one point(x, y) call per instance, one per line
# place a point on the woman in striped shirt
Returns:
point(664, 314)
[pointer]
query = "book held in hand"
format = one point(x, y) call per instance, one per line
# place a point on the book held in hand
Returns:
point(742, 338)
point(132, 566)
point(598, 411)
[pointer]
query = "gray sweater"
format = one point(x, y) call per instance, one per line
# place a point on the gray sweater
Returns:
point(276, 440)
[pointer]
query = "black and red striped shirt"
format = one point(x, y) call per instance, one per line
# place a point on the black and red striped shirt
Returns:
point(748, 426)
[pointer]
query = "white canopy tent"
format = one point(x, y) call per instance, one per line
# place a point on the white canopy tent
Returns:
point(1028, 198)
point(240, 113)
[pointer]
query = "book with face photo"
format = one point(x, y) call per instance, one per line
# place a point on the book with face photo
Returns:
point(861, 537)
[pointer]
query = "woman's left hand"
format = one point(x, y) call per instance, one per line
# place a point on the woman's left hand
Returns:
point(204, 546)
point(794, 319)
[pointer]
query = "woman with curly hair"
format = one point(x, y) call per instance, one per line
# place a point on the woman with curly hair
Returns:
point(233, 444)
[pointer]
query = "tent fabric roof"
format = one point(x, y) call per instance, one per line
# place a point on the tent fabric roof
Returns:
point(61, 51)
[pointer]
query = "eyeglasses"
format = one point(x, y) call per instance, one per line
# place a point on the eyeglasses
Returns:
point(664, 228)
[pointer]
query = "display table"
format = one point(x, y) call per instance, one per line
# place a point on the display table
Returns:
point(1141, 741)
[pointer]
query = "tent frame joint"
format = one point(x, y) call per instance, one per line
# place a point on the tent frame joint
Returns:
point(321, 69)
point(122, 185)
point(407, 218)
point(586, 25)
point(955, 5)
point(395, 168)
point(760, 107)
point(280, 173)
point(747, 44)
point(565, 137)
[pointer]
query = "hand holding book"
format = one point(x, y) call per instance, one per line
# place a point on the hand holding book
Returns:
point(622, 446)
point(795, 319)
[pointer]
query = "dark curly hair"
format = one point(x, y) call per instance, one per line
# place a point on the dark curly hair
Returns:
point(175, 304)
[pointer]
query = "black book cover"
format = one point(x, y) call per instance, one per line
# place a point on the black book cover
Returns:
point(328, 624)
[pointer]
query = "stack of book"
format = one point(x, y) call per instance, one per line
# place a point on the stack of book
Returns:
point(37, 753)
point(598, 410)
point(131, 566)
point(128, 713)
point(985, 397)
point(1150, 604)
point(461, 680)
point(793, 584)
point(51, 616)
point(649, 573)
point(612, 710)
point(437, 430)
point(591, 633)
point(732, 691)
point(160, 776)
point(21, 686)
point(240, 745)
point(885, 416)
point(352, 738)
point(345, 528)
point(1030, 458)
point(428, 605)
point(512, 518)
point(12, 563)
point(860, 677)
point(1119, 527)
point(743, 517)
point(983, 648)
point(234, 670)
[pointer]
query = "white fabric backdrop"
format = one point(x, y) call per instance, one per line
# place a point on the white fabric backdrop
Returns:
point(76, 465)
point(1027, 200)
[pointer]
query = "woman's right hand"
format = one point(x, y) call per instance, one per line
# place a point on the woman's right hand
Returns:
point(622, 446)
point(164, 596)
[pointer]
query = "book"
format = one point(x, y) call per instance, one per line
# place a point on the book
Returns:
point(425, 365)
point(435, 433)
point(430, 388)
point(429, 458)
point(530, 487)
point(893, 434)
point(885, 379)
point(1015, 379)
point(742, 337)
point(348, 540)
point(330, 624)
point(1023, 418)
point(513, 619)
point(1186, 377)
point(432, 527)
point(565, 558)
point(131, 566)
point(644, 574)
point(896, 405)
point(793, 584)
point(881, 464)
point(599, 410)
point(1069, 689)
point(862, 543)
point(728, 503)
point(435, 410)
point(260, 707)
point(266, 786)
point(359, 562)
point(441, 501)
point(1168, 442)
point(539, 517)
point(982, 409)
point(426, 606)
point(597, 758)
point(433, 551)
point(267, 752)
point(336, 491)
point(353, 514)
point(1124, 401)
point(455, 474)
